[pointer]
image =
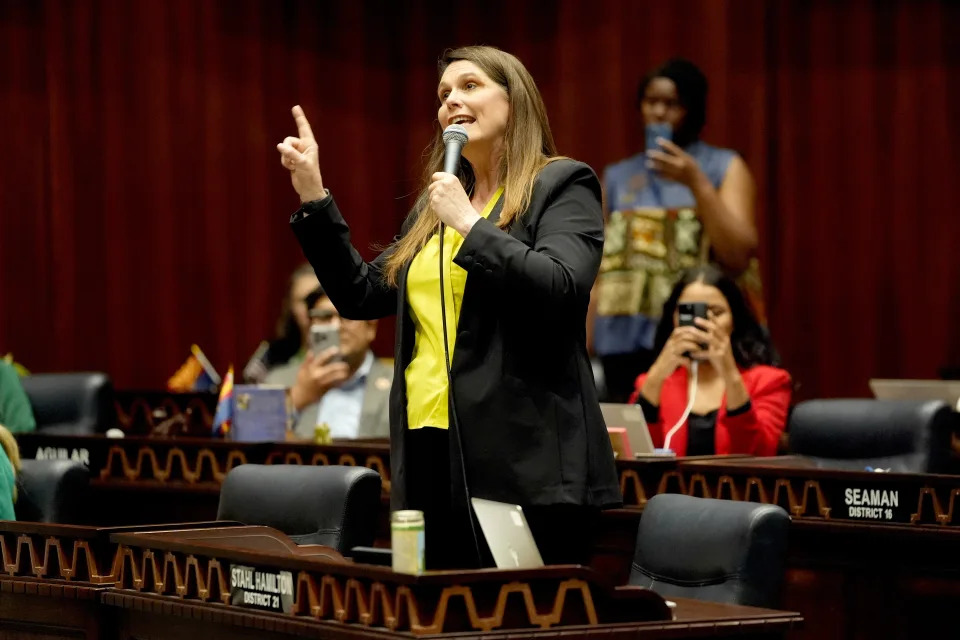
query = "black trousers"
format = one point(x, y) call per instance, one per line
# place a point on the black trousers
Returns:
point(563, 532)
point(452, 538)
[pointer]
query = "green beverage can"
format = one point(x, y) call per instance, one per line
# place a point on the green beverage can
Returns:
point(407, 539)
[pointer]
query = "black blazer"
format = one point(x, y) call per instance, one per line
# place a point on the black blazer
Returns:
point(523, 389)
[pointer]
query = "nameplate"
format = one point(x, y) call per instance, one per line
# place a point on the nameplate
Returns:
point(264, 589)
point(880, 502)
point(63, 453)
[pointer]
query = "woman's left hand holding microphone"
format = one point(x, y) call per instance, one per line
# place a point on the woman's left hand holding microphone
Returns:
point(451, 203)
point(300, 156)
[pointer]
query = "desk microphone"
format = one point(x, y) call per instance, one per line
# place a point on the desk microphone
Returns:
point(454, 137)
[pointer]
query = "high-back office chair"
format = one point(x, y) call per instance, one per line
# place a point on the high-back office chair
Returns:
point(71, 403)
point(707, 549)
point(910, 436)
point(335, 506)
point(52, 491)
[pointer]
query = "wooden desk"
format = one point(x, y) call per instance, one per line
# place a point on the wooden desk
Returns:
point(52, 578)
point(175, 583)
point(339, 599)
point(148, 617)
point(851, 578)
point(854, 568)
point(182, 476)
point(145, 480)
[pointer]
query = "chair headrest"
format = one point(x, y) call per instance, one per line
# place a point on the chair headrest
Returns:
point(699, 541)
point(52, 491)
point(865, 430)
point(336, 506)
point(76, 403)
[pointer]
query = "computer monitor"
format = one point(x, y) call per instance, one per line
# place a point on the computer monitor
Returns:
point(629, 417)
point(891, 389)
point(508, 534)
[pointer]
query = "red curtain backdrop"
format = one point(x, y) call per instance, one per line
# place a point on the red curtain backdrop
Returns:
point(143, 207)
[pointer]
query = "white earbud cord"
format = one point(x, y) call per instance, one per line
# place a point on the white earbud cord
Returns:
point(692, 395)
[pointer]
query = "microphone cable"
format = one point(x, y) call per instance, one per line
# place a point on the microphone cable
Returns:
point(453, 421)
point(692, 396)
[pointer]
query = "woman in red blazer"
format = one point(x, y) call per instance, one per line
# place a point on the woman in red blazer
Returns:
point(741, 397)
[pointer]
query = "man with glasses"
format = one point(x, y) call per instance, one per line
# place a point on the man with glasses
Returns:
point(342, 390)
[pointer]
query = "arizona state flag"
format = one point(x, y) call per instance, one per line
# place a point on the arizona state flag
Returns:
point(196, 374)
point(223, 418)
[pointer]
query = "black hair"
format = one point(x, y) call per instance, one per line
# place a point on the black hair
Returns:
point(691, 91)
point(289, 340)
point(751, 342)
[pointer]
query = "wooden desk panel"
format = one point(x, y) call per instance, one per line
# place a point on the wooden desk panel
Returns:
point(149, 617)
point(355, 598)
point(850, 579)
point(194, 565)
point(809, 492)
point(49, 610)
point(174, 583)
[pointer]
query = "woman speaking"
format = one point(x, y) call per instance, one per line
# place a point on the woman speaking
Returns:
point(493, 394)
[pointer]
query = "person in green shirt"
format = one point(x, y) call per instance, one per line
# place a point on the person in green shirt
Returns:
point(9, 466)
point(16, 413)
point(16, 416)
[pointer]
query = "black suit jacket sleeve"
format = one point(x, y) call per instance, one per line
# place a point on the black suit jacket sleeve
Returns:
point(357, 288)
point(562, 263)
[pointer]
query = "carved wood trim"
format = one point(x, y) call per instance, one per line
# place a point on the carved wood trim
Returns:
point(630, 478)
point(399, 607)
point(938, 513)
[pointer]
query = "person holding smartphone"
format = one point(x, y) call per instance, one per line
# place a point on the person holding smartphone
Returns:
point(339, 383)
point(736, 398)
point(678, 203)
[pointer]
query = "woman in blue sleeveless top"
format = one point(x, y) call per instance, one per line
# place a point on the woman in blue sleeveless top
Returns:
point(679, 203)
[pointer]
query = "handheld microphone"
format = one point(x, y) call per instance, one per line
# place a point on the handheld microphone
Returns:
point(454, 137)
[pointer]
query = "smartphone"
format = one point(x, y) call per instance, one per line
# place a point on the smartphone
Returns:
point(656, 130)
point(322, 337)
point(687, 313)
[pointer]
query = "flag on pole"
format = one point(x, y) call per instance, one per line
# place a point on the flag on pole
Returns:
point(196, 374)
point(223, 418)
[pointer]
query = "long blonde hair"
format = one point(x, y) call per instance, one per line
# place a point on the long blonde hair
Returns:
point(528, 147)
point(9, 445)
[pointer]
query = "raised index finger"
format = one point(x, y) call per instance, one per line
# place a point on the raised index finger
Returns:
point(303, 127)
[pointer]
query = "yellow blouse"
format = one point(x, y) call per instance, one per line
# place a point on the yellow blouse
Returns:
point(426, 375)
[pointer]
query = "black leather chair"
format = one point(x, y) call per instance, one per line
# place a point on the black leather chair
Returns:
point(71, 403)
point(52, 491)
point(899, 435)
point(336, 506)
point(706, 549)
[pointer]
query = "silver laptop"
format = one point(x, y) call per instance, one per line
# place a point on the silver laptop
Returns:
point(946, 390)
point(508, 534)
point(630, 417)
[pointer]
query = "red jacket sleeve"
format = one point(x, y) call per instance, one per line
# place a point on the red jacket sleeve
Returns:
point(758, 430)
point(637, 385)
